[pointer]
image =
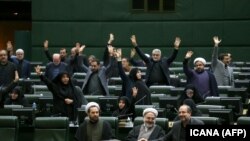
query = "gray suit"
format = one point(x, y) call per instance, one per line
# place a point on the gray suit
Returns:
point(223, 75)
point(102, 78)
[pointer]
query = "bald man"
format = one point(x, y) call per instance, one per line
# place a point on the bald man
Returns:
point(178, 131)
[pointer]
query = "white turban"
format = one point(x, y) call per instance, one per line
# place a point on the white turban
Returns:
point(202, 60)
point(91, 104)
point(152, 110)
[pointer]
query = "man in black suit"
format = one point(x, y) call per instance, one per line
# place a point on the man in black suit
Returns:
point(178, 131)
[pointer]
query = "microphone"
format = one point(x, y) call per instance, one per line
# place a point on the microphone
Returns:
point(140, 99)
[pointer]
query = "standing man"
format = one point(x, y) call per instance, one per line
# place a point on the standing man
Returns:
point(23, 66)
point(220, 66)
point(93, 129)
point(54, 68)
point(95, 82)
point(157, 67)
point(178, 131)
point(148, 130)
point(8, 71)
point(63, 53)
point(203, 80)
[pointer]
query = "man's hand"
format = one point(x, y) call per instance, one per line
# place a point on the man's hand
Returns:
point(38, 70)
point(68, 101)
point(16, 77)
point(111, 38)
point(177, 42)
point(111, 50)
point(216, 41)
point(9, 46)
point(46, 45)
point(132, 53)
point(118, 54)
point(133, 40)
point(81, 48)
point(189, 54)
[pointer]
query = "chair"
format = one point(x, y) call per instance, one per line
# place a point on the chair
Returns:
point(162, 122)
point(41, 89)
point(113, 121)
point(9, 128)
point(243, 121)
point(177, 91)
point(139, 109)
point(212, 100)
point(93, 98)
point(33, 98)
point(51, 129)
point(209, 120)
point(205, 108)
point(160, 89)
point(155, 99)
point(13, 106)
point(79, 77)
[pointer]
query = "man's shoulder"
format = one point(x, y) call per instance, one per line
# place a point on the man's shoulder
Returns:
point(195, 121)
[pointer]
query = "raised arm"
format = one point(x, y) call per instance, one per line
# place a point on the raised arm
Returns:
point(46, 50)
point(109, 51)
point(186, 69)
point(215, 51)
point(177, 43)
point(118, 56)
point(138, 50)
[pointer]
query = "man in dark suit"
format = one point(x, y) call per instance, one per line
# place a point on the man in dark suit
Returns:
point(157, 66)
point(178, 131)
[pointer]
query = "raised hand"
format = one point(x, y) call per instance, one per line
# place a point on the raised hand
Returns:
point(118, 54)
point(9, 46)
point(46, 44)
point(189, 54)
point(177, 42)
point(132, 53)
point(216, 41)
point(81, 48)
point(38, 70)
point(133, 40)
point(111, 38)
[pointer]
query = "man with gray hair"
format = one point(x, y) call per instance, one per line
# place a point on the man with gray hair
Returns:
point(157, 67)
point(148, 130)
point(93, 129)
point(23, 65)
point(54, 68)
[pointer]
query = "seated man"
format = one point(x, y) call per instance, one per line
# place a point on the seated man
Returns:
point(177, 133)
point(148, 130)
point(93, 129)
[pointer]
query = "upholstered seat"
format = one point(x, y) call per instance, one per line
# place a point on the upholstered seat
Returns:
point(209, 120)
point(243, 120)
point(51, 129)
point(9, 128)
